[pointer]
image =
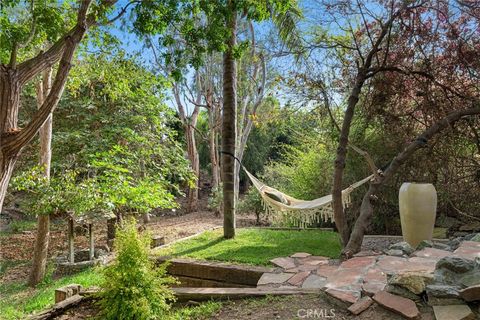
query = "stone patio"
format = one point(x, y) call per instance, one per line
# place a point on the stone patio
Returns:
point(373, 274)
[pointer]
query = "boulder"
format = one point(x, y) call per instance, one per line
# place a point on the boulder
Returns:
point(455, 264)
point(471, 279)
point(403, 246)
point(414, 281)
point(440, 295)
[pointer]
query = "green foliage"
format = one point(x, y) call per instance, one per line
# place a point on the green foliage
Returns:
point(256, 246)
point(17, 300)
point(203, 311)
point(215, 199)
point(134, 288)
point(251, 202)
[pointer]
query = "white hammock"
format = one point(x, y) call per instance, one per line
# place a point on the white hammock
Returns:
point(280, 207)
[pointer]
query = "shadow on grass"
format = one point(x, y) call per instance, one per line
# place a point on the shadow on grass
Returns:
point(201, 247)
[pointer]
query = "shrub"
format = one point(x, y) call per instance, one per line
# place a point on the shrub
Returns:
point(134, 288)
point(251, 202)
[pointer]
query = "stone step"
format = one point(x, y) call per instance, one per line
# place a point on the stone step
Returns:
point(200, 294)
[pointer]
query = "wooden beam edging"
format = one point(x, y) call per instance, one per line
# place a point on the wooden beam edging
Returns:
point(201, 294)
point(288, 228)
point(58, 308)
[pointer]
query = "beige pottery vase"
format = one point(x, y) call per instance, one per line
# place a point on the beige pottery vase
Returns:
point(418, 208)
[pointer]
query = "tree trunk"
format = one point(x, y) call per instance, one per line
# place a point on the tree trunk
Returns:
point(194, 162)
point(40, 251)
point(212, 137)
point(229, 126)
point(71, 241)
point(366, 210)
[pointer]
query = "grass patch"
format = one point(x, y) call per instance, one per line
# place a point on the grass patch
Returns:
point(17, 300)
point(256, 246)
point(204, 310)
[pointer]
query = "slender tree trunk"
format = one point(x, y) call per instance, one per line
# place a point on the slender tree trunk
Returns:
point(40, 251)
point(366, 210)
point(194, 162)
point(212, 142)
point(339, 167)
point(229, 126)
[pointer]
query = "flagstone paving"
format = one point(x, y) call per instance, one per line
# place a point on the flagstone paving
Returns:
point(363, 275)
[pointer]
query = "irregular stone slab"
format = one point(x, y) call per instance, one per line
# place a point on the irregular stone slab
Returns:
point(412, 281)
point(400, 305)
point(314, 260)
point(455, 264)
point(274, 278)
point(402, 246)
point(300, 255)
point(442, 246)
point(420, 264)
point(358, 262)
point(441, 295)
point(297, 279)
point(472, 244)
point(285, 263)
point(371, 288)
point(301, 268)
point(471, 279)
point(389, 263)
point(471, 293)
point(314, 282)
point(345, 277)
point(468, 252)
point(457, 312)
point(347, 296)
point(476, 238)
point(361, 305)
point(431, 253)
point(326, 270)
point(374, 274)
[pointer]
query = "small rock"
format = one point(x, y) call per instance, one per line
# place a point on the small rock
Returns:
point(457, 312)
point(441, 295)
point(300, 255)
point(471, 293)
point(455, 264)
point(394, 252)
point(361, 305)
point(403, 246)
point(442, 246)
point(412, 281)
point(460, 234)
point(454, 243)
point(425, 244)
point(400, 305)
point(471, 279)
point(476, 238)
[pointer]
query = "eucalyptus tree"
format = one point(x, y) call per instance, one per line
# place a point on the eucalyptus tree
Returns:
point(24, 25)
point(219, 33)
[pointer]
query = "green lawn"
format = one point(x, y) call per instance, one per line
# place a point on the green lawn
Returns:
point(256, 246)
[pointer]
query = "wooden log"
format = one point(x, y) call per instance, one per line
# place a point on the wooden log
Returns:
point(58, 308)
point(66, 292)
point(221, 272)
point(201, 294)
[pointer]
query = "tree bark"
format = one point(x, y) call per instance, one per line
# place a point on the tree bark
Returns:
point(339, 165)
point(192, 152)
point(40, 251)
point(366, 210)
point(229, 126)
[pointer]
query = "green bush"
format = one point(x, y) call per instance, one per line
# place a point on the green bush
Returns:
point(251, 203)
point(134, 288)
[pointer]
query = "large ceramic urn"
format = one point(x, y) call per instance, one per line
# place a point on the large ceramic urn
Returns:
point(418, 208)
